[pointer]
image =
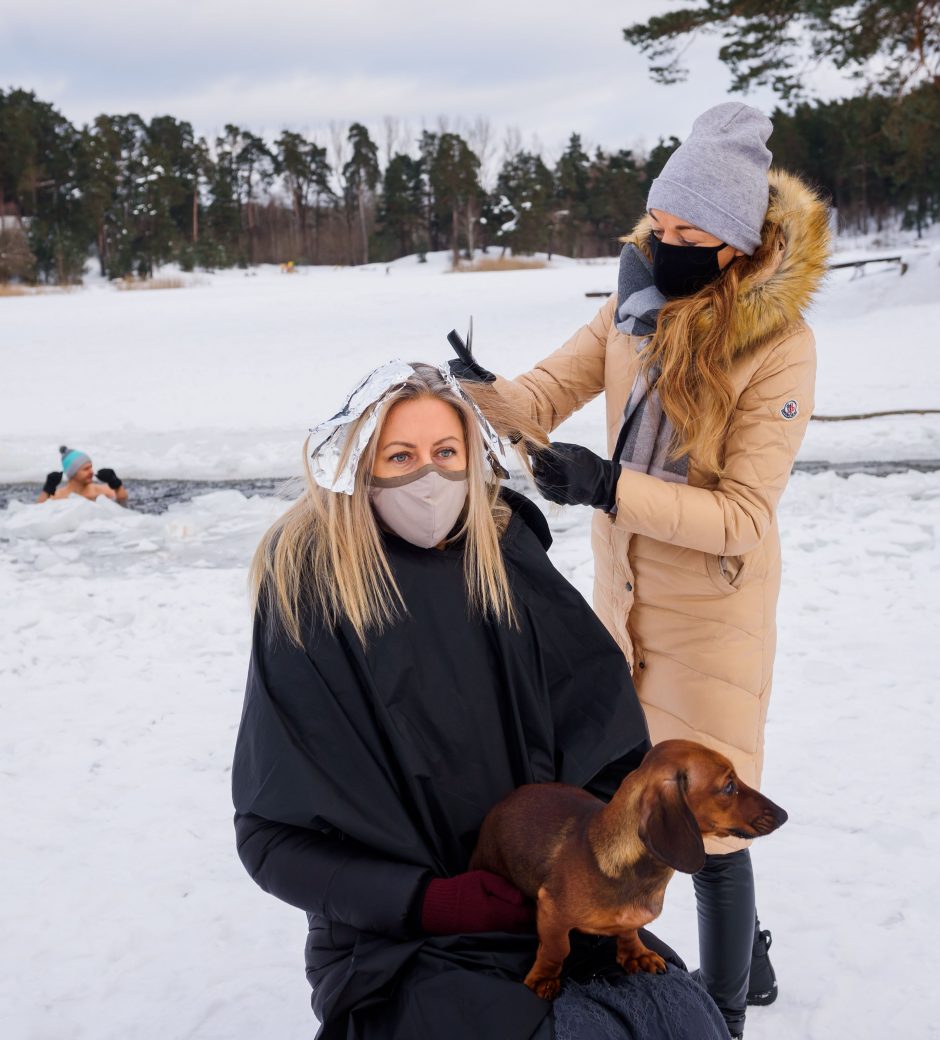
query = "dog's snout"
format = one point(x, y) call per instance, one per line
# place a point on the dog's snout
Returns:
point(769, 818)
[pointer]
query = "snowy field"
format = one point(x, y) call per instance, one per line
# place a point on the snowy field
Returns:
point(124, 641)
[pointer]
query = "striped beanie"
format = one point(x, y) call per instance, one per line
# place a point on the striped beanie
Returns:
point(72, 461)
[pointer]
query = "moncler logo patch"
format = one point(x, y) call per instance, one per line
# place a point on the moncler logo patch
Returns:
point(790, 410)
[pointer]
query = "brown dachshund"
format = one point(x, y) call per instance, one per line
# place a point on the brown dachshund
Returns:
point(603, 868)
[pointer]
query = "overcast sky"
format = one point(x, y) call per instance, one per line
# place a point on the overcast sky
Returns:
point(546, 68)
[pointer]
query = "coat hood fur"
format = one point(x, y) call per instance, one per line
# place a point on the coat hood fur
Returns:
point(776, 284)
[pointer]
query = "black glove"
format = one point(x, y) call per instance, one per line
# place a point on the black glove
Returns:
point(465, 366)
point(110, 478)
point(574, 476)
point(53, 480)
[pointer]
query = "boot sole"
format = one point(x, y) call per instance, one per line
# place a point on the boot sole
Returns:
point(762, 999)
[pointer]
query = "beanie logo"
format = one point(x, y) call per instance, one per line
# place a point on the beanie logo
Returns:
point(790, 410)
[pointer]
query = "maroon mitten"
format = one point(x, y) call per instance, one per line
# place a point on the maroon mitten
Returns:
point(477, 901)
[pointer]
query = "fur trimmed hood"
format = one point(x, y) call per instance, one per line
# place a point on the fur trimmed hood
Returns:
point(776, 284)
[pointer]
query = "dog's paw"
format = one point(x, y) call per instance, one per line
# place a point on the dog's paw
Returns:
point(547, 989)
point(648, 962)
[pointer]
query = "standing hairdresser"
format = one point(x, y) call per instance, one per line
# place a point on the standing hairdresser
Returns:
point(708, 368)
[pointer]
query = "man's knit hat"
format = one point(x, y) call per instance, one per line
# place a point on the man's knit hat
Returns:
point(717, 178)
point(72, 461)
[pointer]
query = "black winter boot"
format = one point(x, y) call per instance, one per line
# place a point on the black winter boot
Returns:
point(762, 983)
point(724, 894)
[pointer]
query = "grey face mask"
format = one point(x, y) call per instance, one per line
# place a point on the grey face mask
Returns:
point(421, 507)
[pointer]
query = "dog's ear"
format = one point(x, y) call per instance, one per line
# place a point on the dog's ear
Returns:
point(668, 828)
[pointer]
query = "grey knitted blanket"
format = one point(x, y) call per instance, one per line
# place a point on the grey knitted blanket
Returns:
point(637, 1007)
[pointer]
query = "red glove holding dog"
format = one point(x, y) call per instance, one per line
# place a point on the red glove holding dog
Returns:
point(477, 901)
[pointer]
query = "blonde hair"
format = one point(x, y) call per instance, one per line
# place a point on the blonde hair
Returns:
point(326, 553)
point(694, 347)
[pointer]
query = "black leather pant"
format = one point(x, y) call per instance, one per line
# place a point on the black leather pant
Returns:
point(724, 894)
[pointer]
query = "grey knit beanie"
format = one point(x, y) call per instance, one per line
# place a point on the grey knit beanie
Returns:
point(717, 178)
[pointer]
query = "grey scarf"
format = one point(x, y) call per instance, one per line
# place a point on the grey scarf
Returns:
point(646, 434)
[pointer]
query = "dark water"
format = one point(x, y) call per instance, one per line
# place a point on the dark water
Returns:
point(155, 496)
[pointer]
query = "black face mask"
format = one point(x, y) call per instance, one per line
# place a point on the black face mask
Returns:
point(683, 270)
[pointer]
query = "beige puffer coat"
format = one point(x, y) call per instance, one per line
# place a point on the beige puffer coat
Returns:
point(687, 576)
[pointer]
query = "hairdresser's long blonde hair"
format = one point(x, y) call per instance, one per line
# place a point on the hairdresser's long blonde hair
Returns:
point(326, 553)
point(694, 348)
point(698, 338)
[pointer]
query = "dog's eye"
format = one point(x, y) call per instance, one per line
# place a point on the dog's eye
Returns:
point(730, 788)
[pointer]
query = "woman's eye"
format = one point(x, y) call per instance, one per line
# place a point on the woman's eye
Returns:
point(448, 453)
point(400, 456)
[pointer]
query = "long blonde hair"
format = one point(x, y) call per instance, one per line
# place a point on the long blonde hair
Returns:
point(693, 348)
point(326, 552)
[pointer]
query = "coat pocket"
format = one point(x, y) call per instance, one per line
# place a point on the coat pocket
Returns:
point(728, 573)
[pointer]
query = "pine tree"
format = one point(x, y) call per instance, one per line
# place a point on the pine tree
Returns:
point(617, 198)
point(894, 45)
point(361, 173)
point(39, 153)
point(571, 179)
point(254, 162)
point(454, 179)
point(306, 173)
point(525, 190)
point(401, 210)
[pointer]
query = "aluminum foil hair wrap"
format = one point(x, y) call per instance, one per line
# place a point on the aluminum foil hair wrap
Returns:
point(493, 451)
point(326, 456)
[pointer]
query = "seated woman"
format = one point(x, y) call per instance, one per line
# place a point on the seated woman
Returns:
point(415, 658)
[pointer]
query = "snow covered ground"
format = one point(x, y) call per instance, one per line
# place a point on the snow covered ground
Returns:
point(124, 640)
point(217, 380)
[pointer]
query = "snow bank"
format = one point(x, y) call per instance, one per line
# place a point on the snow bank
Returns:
point(123, 647)
point(222, 379)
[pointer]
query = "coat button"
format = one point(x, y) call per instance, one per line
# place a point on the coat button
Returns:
point(629, 586)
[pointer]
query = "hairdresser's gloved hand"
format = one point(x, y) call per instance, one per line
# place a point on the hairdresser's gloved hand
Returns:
point(110, 478)
point(574, 476)
point(53, 480)
point(477, 901)
point(465, 366)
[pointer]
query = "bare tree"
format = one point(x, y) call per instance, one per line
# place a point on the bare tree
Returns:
point(480, 137)
point(339, 147)
point(392, 137)
point(512, 142)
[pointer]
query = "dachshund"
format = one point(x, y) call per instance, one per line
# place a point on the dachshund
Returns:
point(603, 868)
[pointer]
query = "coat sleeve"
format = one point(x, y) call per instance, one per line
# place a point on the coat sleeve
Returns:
point(331, 876)
point(566, 380)
point(761, 444)
point(604, 785)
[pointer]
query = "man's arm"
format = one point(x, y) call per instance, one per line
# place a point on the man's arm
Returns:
point(115, 486)
point(53, 480)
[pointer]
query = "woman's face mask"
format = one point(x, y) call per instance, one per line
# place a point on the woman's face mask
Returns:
point(683, 270)
point(422, 507)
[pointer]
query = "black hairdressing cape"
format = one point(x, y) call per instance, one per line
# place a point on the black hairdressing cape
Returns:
point(359, 773)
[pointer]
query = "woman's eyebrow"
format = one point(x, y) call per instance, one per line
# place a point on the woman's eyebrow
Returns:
point(405, 444)
point(679, 227)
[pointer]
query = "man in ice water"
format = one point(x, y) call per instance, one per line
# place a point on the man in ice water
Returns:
point(79, 474)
